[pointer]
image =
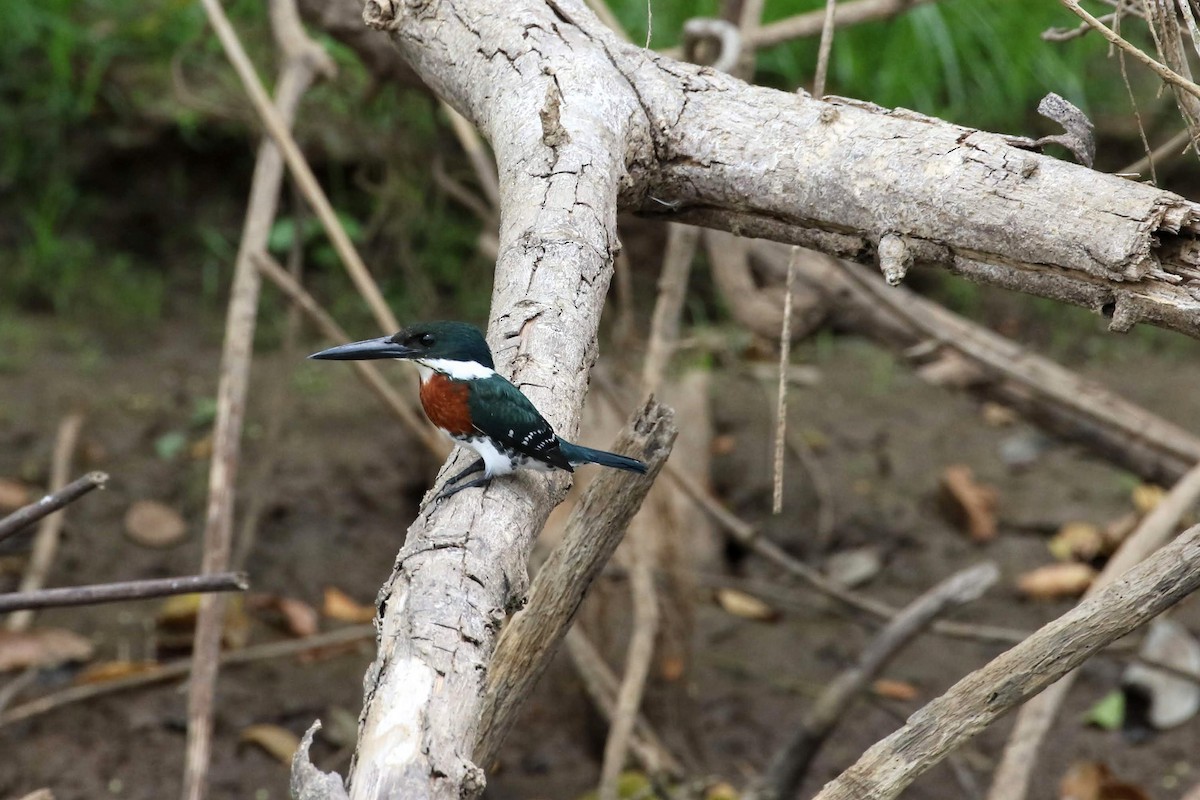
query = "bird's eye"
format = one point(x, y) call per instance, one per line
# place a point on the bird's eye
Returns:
point(427, 339)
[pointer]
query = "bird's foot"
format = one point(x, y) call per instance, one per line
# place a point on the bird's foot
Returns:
point(452, 490)
point(473, 467)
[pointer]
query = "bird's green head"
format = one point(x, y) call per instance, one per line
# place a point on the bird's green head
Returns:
point(425, 342)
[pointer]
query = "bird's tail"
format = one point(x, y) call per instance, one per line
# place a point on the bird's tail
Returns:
point(578, 454)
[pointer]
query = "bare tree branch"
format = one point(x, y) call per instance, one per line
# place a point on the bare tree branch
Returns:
point(26, 516)
point(787, 768)
point(125, 590)
point(180, 669)
point(1014, 676)
point(1011, 780)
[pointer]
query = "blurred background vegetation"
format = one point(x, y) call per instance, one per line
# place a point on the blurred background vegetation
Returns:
point(126, 148)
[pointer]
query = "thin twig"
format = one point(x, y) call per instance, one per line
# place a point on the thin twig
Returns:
point(1167, 74)
point(810, 23)
point(303, 61)
point(1013, 677)
point(672, 289)
point(278, 394)
point(279, 130)
point(125, 590)
point(785, 357)
point(45, 543)
point(747, 535)
point(1172, 147)
point(26, 516)
point(791, 762)
point(181, 667)
point(1011, 779)
point(1137, 114)
point(477, 154)
point(637, 659)
point(370, 375)
point(601, 685)
point(826, 46)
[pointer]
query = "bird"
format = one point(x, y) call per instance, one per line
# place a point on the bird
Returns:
point(464, 396)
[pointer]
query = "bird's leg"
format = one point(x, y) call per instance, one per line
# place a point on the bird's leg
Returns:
point(474, 466)
point(449, 490)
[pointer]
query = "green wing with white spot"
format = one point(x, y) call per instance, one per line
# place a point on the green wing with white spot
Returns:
point(500, 412)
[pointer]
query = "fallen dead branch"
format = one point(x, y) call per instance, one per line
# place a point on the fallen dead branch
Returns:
point(23, 517)
point(125, 590)
point(748, 536)
point(1051, 395)
point(1011, 779)
point(791, 762)
point(981, 697)
point(181, 668)
point(601, 685)
point(45, 542)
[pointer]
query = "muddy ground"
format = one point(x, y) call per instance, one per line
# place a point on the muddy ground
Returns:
point(345, 484)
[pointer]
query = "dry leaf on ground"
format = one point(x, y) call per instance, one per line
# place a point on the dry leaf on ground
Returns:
point(154, 524)
point(1091, 780)
point(1055, 581)
point(279, 742)
point(299, 617)
point(106, 671)
point(746, 606)
point(13, 495)
point(41, 647)
point(854, 567)
point(340, 606)
point(971, 504)
point(998, 416)
point(178, 613)
point(895, 690)
point(1146, 496)
point(1077, 541)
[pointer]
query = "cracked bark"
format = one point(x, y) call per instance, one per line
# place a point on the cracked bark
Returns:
point(583, 124)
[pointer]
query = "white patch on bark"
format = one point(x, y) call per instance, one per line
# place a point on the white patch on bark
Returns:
point(396, 738)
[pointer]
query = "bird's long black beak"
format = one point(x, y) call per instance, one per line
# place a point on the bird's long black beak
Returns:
point(368, 349)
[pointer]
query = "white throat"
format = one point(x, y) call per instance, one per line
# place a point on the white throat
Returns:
point(458, 370)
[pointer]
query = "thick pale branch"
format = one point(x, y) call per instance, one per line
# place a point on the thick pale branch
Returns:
point(839, 176)
point(559, 147)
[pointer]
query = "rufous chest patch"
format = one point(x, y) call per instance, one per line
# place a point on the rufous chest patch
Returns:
point(445, 402)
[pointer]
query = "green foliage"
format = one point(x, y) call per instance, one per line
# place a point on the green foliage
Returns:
point(976, 62)
point(1108, 712)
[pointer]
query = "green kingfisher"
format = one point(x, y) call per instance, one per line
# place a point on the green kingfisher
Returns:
point(466, 398)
